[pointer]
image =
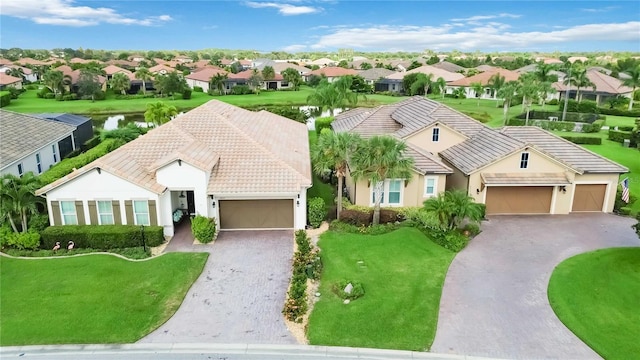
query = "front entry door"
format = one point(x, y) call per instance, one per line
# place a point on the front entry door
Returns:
point(191, 205)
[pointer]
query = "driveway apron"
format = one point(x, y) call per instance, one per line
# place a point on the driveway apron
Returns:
point(239, 296)
point(494, 301)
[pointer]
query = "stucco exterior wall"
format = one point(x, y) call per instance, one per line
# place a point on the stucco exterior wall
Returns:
point(203, 84)
point(611, 180)
point(180, 176)
point(424, 139)
point(29, 162)
point(412, 194)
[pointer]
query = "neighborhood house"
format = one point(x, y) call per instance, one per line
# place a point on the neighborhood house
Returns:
point(248, 170)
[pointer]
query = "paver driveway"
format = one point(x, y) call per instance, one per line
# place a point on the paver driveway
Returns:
point(494, 301)
point(238, 298)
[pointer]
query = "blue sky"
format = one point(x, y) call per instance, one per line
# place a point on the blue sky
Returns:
point(322, 25)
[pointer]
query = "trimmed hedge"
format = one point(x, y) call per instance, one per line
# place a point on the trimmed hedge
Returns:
point(66, 166)
point(102, 237)
point(5, 98)
point(316, 212)
point(619, 136)
point(203, 228)
point(364, 218)
point(590, 140)
point(619, 112)
point(624, 128)
point(585, 106)
point(323, 123)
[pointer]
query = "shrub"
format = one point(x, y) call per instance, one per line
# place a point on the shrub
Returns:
point(70, 97)
point(203, 228)
point(49, 95)
point(306, 264)
point(67, 165)
point(356, 217)
point(198, 89)
point(591, 140)
point(619, 112)
point(241, 90)
point(595, 127)
point(38, 222)
point(31, 87)
point(585, 106)
point(15, 92)
point(131, 253)
point(59, 97)
point(28, 240)
point(316, 211)
point(43, 92)
point(379, 229)
point(99, 95)
point(5, 98)
point(473, 229)
point(323, 123)
point(452, 240)
point(625, 128)
point(515, 122)
point(356, 292)
point(91, 143)
point(552, 102)
point(102, 237)
point(186, 94)
point(619, 136)
point(482, 117)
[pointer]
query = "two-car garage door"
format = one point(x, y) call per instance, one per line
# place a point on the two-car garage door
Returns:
point(256, 214)
point(519, 199)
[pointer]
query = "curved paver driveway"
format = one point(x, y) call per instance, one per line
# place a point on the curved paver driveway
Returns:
point(494, 301)
point(238, 298)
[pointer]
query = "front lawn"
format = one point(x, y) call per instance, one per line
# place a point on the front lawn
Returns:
point(91, 299)
point(402, 273)
point(597, 295)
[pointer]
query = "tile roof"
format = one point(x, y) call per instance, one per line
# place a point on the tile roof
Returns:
point(375, 73)
point(485, 147)
point(484, 77)
point(245, 75)
point(566, 151)
point(245, 152)
point(428, 69)
point(279, 67)
point(425, 162)
point(451, 67)
point(524, 179)
point(24, 134)
point(417, 114)
point(112, 69)
point(333, 71)
point(161, 67)
point(205, 74)
point(369, 121)
point(8, 79)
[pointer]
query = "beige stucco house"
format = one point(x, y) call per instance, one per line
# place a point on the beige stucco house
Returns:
point(513, 170)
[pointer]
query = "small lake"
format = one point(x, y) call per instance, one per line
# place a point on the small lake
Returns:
point(110, 122)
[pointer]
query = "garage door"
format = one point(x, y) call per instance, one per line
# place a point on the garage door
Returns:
point(519, 199)
point(589, 197)
point(256, 214)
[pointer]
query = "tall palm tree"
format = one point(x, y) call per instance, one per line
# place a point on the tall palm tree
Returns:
point(343, 87)
point(159, 113)
point(580, 79)
point(530, 90)
point(441, 85)
point(508, 93)
point(54, 80)
point(145, 75)
point(496, 82)
point(332, 152)
point(217, 82)
point(325, 96)
point(17, 199)
point(120, 82)
point(543, 73)
point(422, 83)
point(477, 88)
point(633, 82)
point(545, 88)
point(15, 72)
point(379, 158)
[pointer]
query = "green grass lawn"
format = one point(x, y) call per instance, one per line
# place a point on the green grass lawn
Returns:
point(320, 189)
point(402, 274)
point(91, 299)
point(597, 295)
point(28, 102)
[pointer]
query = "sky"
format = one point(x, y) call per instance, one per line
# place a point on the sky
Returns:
point(322, 25)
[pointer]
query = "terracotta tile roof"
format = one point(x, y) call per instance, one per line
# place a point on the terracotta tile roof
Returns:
point(451, 67)
point(428, 69)
point(25, 70)
point(245, 152)
point(486, 67)
point(568, 152)
point(604, 84)
point(279, 67)
point(482, 149)
point(127, 63)
point(484, 77)
point(77, 60)
point(5, 61)
point(375, 73)
point(425, 162)
point(8, 79)
point(24, 134)
point(112, 69)
point(30, 61)
point(333, 71)
point(245, 75)
point(205, 74)
point(369, 121)
point(524, 179)
point(419, 113)
point(161, 67)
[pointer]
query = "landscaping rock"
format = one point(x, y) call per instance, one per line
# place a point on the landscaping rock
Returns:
point(317, 294)
point(346, 301)
point(348, 288)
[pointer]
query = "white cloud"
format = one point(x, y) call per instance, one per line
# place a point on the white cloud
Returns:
point(294, 48)
point(487, 17)
point(487, 36)
point(65, 13)
point(284, 9)
point(600, 10)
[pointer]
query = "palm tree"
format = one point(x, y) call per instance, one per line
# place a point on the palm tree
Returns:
point(496, 82)
point(217, 82)
point(452, 207)
point(530, 90)
point(17, 199)
point(508, 93)
point(580, 79)
point(477, 88)
point(343, 87)
point(293, 77)
point(545, 89)
point(15, 72)
point(633, 82)
point(543, 73)
point(332, 151)
point(326, 97)
point(422, 83)
point(144, 75)
point(159, 113)
point(54, 80)
point(379, 158)
point(120, 83)
point(441, 85)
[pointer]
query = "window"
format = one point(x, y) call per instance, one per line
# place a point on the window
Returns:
point(141, 212)
point(68, 211)
point(20, 170)
point(55, 153)
point(391, 192)
point(435, 135)
point(38, 163)
point(105, 213)
point(430, 186)
point(524, 160)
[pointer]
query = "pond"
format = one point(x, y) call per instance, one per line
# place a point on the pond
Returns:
point(110, 122)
